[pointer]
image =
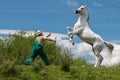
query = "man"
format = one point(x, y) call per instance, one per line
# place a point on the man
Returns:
point(38, 48)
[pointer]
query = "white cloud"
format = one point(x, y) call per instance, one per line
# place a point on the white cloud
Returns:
point(116, 41)
point(83, 49)
point(57, 35)
point(112, 1)
point(7, 31)
point(2, 31)
point(97, 4)
point(114, 58)
point(70, 2)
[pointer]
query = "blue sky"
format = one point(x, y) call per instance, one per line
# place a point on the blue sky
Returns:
point(56, 15)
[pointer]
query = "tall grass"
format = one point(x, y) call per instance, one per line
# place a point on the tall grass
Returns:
point(18, 47)
point(15, 49)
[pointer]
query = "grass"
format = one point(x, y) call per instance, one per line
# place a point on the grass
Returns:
point(14, 51)
point(84, 72)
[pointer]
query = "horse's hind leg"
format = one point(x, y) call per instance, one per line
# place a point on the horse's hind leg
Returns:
point(99, 58)
point(97, 49)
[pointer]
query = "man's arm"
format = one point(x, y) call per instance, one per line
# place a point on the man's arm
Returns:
point(48, 35)
point(48, 38)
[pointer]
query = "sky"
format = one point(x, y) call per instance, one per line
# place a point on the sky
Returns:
point(55, 15)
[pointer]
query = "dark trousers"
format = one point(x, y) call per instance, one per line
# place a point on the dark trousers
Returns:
point(37, 50)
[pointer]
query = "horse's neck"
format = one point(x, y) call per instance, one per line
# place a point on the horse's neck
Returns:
point(82, 22)
point(83, 19)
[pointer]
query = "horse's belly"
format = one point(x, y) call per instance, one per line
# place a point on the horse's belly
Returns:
point(88, 38)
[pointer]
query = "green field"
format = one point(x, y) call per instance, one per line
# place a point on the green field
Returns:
point(15, 49)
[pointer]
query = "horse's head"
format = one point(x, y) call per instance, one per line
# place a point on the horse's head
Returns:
point(82, 10)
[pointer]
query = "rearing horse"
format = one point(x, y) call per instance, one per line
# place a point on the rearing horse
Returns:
point(83, 31)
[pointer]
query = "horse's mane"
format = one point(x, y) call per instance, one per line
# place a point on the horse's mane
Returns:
point(88, 19)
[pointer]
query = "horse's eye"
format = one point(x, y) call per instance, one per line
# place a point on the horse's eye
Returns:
point(82, 8)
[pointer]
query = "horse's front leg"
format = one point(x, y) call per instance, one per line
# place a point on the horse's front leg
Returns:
point(76, 31)
point(70, 29)
point(70, 36)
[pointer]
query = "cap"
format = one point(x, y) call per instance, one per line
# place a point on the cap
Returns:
point(39, 32)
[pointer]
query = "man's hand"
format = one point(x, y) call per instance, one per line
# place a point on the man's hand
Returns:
point(48, 35)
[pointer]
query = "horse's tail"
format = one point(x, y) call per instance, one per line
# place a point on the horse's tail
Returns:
point(110, 47)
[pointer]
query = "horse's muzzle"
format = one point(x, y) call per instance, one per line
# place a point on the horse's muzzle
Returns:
point(76, 11)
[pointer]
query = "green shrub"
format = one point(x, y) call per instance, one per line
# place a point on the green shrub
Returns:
point(8, 68)
point(66, 60)
point(15, 49)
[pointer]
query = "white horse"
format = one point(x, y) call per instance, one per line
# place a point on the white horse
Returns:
point(83, 31)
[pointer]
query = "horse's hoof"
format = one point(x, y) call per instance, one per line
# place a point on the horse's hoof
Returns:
point(72, 42)
point(67, 27)
point(71, 36)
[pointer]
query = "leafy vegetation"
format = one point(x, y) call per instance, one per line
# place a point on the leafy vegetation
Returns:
point(15, 49)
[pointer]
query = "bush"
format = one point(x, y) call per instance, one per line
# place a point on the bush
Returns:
point(66, 60)
point(8, 68)
point(17, 48)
